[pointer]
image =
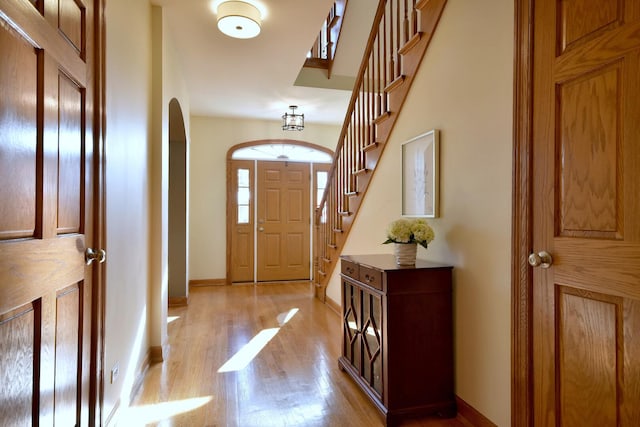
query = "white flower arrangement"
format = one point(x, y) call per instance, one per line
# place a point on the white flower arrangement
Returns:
point(410, 231)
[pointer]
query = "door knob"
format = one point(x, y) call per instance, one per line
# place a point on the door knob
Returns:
point(541, 259)
point(91, 255)
point(260, 228)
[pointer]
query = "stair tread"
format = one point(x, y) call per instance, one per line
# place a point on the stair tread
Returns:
point(397, 82)
point(382, 117)
point(410, 43)
point(371, 146)
point(361, 171)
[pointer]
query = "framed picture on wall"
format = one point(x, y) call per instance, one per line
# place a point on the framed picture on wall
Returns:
point(420, 175)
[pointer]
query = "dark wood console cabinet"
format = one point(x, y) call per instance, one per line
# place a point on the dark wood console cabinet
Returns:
point(397, 338)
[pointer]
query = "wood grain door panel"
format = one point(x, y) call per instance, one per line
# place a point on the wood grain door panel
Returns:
point(46, 211)
point(18, 332)
point(587, 365)
point(586, 213)
point(19, 119)
point(70, 156)
point(284, 216)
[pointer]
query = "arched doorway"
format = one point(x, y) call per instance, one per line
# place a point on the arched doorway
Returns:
point(273, 186)
point(177, 221)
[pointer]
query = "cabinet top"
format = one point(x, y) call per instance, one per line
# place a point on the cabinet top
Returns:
point(388, 262)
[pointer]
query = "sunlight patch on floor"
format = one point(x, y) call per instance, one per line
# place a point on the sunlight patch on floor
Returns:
point(283, 318)
point(249, 351)
point(145, 414)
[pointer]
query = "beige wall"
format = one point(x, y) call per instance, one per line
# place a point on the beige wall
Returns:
point(142, 77)
point(167, 83)
point(128, 112)
point(464, 89)
point(211, 138)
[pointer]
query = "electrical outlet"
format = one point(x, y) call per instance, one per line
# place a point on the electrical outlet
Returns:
point(115, 371)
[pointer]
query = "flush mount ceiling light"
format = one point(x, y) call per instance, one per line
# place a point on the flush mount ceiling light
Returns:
point(293, 121)
point(239, 19)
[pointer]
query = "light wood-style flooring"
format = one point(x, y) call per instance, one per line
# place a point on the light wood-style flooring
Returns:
point(293, 381)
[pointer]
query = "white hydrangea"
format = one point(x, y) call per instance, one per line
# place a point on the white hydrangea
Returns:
point(410, 231)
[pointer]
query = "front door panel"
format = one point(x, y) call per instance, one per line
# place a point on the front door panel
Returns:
point(283, 221)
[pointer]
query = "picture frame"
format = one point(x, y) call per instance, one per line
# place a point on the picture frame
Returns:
point(420, 175)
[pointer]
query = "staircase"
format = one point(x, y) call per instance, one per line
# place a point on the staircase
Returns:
point(401, 32)
point(324, 48)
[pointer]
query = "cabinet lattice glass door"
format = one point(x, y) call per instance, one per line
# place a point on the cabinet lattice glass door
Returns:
point(352, 324)
point(372, 340)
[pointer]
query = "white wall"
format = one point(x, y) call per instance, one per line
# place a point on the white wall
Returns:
point(464, 89)
point(143, 75)
point(211, 138)
point(167, 83)
point(128, 139)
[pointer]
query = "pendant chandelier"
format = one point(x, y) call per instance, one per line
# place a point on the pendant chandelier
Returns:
point(293, 121)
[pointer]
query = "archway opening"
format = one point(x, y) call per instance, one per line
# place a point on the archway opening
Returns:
point(177, 221)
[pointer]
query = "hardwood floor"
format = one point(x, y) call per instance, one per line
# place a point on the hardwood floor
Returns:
point(293, 381)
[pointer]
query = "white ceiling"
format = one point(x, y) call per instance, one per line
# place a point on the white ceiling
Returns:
point(255, 78)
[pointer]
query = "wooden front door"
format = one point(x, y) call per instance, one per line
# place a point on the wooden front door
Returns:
point(283, 221)
point(586, 212)
point(47, 107)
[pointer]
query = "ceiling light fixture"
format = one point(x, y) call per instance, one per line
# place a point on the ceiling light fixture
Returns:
point(293, 121)
point(239, 19)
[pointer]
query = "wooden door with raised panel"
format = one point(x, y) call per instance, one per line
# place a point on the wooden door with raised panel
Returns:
point(46, 211)
point(586, 212)
point(283, 221)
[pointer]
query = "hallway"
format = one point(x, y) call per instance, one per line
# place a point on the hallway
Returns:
point(293, 381)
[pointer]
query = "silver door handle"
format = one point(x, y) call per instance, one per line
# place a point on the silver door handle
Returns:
point(541, 259)
point(91, 255)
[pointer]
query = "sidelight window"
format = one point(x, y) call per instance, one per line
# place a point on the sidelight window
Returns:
point(244, 196)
